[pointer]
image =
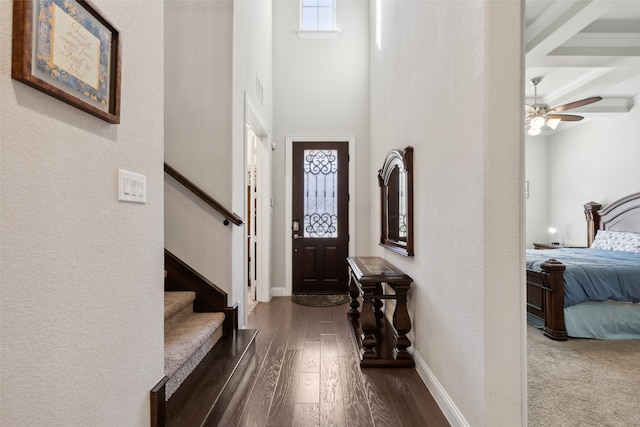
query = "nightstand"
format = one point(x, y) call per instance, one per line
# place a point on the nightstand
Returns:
point(555, 246)
point(547, 246)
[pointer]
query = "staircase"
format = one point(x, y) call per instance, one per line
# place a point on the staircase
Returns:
point(188, 337)
point(206, 356)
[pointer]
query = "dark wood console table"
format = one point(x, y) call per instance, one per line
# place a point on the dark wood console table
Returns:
point(382, 345)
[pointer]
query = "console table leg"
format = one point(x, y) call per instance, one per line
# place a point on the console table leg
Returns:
point(354, 293)
point(377, 302)
point(368, 321)
point(401, 323)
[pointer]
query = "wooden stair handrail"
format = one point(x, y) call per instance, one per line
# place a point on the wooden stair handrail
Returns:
point(228, 215)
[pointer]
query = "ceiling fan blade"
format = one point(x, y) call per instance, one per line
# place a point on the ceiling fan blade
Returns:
point(565, 117)
point(575, 104)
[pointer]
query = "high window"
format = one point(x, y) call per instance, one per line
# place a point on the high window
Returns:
point(318, 15)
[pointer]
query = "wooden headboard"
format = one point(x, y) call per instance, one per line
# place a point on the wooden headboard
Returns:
point(621, 215)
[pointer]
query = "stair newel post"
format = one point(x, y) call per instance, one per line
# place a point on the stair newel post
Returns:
point(158, 403)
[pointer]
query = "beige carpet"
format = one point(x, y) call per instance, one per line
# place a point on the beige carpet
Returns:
point(583, 382)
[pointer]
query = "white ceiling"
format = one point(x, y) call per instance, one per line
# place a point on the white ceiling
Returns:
point(584, 48)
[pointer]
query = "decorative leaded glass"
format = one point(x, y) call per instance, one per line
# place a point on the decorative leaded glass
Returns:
point(321, 193)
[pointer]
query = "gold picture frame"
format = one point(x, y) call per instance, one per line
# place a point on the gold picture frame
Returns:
point(68, 50)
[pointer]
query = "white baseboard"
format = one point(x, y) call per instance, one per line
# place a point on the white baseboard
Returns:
point(279, 292)
point(446, 404)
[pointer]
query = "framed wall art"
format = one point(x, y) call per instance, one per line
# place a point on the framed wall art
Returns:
point(69, 50)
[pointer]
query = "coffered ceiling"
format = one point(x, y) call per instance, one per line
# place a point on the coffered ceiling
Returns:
point(584, 48)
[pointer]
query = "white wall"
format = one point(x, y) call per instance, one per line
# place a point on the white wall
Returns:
point(252, 60)
point(198, 133)
point(596, 160)
point(537, 175)
point(81, 279)
point(215, 50)
point(599, 161)
point(321, 89)
point(442, 69)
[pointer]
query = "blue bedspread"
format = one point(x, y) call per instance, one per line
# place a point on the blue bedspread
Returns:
point(594, 274)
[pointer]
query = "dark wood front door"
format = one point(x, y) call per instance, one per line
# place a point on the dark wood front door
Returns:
point(320, 228)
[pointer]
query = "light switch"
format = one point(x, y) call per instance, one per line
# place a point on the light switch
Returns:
point(132, 187)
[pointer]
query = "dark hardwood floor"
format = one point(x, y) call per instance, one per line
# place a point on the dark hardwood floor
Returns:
point(306, 373)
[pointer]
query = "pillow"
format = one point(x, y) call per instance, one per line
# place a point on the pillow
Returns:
point(617, 241)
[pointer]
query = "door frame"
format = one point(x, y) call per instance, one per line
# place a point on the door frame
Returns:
point(265, 209)
point(289, 140)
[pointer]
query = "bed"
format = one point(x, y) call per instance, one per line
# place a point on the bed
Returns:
point(592, 292)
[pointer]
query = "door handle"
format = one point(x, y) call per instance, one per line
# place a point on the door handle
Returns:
point(296, 237)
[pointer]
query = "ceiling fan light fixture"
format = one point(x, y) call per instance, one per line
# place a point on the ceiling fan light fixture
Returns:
point(537, 122)
point(553, 123)
point(536, 116)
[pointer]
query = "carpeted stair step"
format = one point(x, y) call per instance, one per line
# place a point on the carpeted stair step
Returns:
point(204, 397)
point(186, 343)
point(177, 306)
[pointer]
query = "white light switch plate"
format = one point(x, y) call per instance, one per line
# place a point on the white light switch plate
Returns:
point(132, 187)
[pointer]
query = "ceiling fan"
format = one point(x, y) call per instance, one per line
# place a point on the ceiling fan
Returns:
point(538, 115)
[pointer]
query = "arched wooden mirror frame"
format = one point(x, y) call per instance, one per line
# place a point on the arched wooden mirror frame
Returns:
point(396, 201)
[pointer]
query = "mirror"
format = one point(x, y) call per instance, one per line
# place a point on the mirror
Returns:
point(396, 197)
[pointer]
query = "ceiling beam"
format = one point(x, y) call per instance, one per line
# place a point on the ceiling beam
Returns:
point(593, 83)
point(604, 40)
point(584, 61)
point(560, 22)
point(606, 107)
point(576, 87)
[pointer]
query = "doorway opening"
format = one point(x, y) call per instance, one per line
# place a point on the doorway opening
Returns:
point(252, 218)
point(320, 212)
point(258, 160)
point(323, 259)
